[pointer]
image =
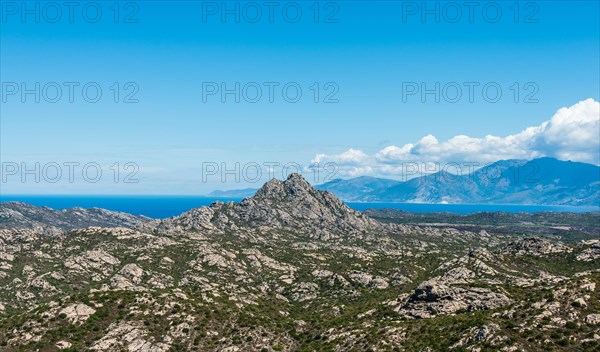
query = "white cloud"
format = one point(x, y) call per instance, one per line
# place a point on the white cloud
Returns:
point(351, 157)
point(573, 133)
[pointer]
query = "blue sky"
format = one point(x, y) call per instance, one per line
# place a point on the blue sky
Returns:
point(367, 55)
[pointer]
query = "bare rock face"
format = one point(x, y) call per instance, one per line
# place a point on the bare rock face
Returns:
point(77, 313)
point(432, 298)
point(130, 337)
point(295, 204)
point(590, 254)
point(365, 279)
point(592, 319)
point(479, 334)
point(128, 278)
point(536, 247)
point(61, 345)
point(304, 291)
point(92, 260)
point(292, 205)
point(198, 219)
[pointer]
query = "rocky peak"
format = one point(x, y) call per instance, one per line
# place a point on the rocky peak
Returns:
point(294, 187)
point(294, 180)
point(295, 204)
point(274, 186)
point(292, 205)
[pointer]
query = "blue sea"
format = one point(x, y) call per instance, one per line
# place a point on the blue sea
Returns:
point(167, 206)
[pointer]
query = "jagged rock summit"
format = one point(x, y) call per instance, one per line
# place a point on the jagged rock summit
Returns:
point(291, 206)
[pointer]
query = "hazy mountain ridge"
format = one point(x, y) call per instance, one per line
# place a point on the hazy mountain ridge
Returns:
point(543, 181)
point(234, 193)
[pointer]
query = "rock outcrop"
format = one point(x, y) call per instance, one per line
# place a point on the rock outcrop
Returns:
point(536, 247)
point(432, 298)
point(292, 206)
point(590, 254)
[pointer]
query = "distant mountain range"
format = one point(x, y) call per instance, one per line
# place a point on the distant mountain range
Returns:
point(542, 181)
point(234, 193)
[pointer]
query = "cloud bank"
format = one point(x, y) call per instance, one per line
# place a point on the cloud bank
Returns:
point(573, 133)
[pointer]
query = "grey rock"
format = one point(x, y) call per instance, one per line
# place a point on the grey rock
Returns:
point(432, 298)
point(536, 247)
point(47, 221)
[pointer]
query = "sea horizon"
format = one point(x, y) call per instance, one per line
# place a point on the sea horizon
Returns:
point(165, 206)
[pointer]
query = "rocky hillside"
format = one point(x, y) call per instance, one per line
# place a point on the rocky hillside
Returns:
point(292, 205)
point(294, 269)
point(17, 215)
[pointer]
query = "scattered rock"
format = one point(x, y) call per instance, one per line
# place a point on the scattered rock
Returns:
point(432, 298)
point(536, 247)
point(77, 312)
point(592, 319)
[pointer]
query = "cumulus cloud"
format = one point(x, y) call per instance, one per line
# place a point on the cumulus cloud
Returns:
point(573, 133)
point(350, 157)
